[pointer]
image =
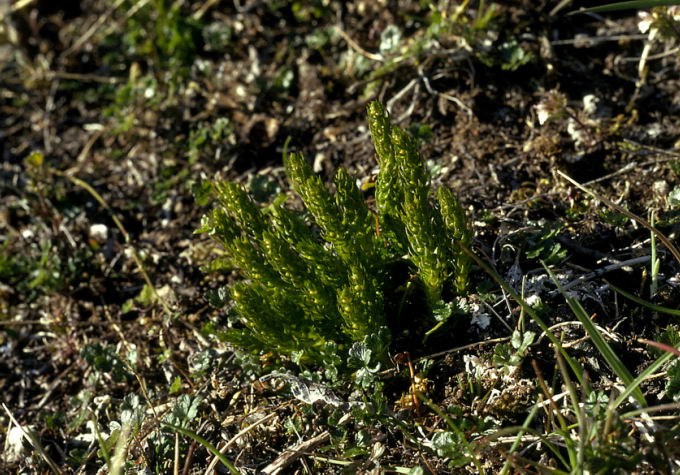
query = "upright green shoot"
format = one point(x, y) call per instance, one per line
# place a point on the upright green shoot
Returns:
point(306, 294)
point(655, 263)
point(600, 343)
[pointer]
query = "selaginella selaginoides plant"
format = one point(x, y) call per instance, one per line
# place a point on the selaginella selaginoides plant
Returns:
point(310, 292)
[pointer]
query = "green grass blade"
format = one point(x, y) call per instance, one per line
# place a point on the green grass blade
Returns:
point(573, 364)
point(651, 369)
point(630, 5)
point(602, 346)
point(655, 264)
point(575, 454)
point(119, 453)
point(641, 221)
point(210, 447)
point(644, 303)
point(518, 440)
point(102, 442)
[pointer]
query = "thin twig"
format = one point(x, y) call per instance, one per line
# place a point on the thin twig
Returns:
point(11, 323)
point(189, 458)
point(52, 387)
point(599, 272)
point(593, 40)
point(671, 153)
point(83, 77)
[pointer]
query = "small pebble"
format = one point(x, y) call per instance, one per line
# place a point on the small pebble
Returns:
point(99, 232)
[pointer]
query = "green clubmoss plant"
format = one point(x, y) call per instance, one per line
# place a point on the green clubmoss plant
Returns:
point(313, 291)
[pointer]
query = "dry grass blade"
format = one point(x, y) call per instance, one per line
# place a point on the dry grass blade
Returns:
point(575, 365)
point(598, 340)
point(291, 455)
point(119, 224)
point(224, 448)
point(641, 221)
point(93, 29)
point(644, 303)
point(28, 434)
point(356, 47)
point(21, 4)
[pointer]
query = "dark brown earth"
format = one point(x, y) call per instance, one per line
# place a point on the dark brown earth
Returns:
point(131, 108)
